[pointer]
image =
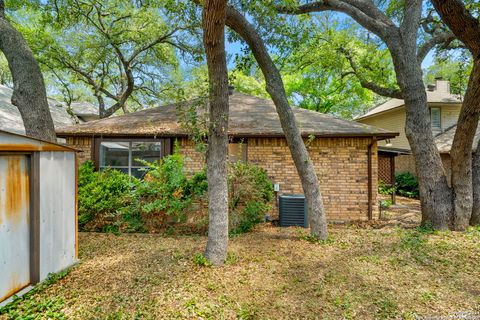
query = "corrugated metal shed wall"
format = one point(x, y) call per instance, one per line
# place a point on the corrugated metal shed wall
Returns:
point(14, 224)
point(38, 231)
point(57, 208)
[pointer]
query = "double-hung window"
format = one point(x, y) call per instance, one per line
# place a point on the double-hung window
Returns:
point(436, 119)
point(130, 155)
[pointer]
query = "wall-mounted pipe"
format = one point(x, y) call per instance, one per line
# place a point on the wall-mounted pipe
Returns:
point(370, 178)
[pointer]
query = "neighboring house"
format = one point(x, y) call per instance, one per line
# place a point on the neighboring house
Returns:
point(11, 120)
point(344, 153)
point(444, 110)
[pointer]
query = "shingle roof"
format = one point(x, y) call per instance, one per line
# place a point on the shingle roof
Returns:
point(249, 116)
point(445, 139)
point(84, 108)
point(11, 120)
point(432, 97)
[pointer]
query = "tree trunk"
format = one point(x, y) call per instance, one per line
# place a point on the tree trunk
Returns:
point(466, 28)
point(475, 218)
point(29, 94)
point(461, 152)
point(275, 88)
point(435, 194)
point(214, 41)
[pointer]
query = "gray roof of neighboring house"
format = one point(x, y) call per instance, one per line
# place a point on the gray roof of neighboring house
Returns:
point(441, 97)
point(445, 139)
point(249, 116)
point(84, 109)
point(11, 120)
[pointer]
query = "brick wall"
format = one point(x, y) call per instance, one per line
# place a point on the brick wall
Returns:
point(84, 144)
point(194, 161)
point(341, 165)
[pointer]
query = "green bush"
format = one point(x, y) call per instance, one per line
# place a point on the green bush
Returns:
point(163, 187)
point(386, 189)
point(407, 185)
point(197, 185)
point(102, 193)
point(250, 193)
point(114, 202)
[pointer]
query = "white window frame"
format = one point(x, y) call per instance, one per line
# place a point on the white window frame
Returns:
point(439, 118)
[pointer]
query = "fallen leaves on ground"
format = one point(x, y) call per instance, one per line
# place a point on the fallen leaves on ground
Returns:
point(271, 273)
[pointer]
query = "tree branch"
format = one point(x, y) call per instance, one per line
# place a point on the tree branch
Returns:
point(444, 38)
point(461, 22)
point(386, 92)
point(362, 11)
point(158, 40)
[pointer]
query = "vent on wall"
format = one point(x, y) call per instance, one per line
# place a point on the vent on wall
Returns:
point(293, 210)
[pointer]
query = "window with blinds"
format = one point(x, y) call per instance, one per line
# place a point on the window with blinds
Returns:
point(436, 118)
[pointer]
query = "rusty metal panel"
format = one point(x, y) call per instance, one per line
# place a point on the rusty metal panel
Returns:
point(57, 211)
point(14, 224)
point(15, 142)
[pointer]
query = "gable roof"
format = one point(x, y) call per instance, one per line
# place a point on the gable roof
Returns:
point(445, 139)
point(249, 116)
point(432, 97)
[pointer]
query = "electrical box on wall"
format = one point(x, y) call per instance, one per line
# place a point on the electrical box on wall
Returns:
point(276, 187)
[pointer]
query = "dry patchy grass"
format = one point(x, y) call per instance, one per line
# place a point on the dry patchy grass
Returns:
point(271, 273)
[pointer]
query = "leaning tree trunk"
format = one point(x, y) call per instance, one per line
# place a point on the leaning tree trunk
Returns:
point(435, 194)
point(29, 94)
point(461, 152)
point(275, 88)
point(214, 41)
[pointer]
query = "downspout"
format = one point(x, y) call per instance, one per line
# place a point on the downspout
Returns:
point(370, 178)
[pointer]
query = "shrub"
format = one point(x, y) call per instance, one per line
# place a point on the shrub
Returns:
point(102, 193)
point(197, 185)
point(250, 193)
point(386, 189)
point(163, 186)
point(167, 200)
point(407, 185)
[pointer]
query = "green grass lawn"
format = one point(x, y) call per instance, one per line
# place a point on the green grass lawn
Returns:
point(271, 273)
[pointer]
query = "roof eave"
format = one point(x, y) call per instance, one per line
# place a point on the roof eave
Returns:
point(378, 136)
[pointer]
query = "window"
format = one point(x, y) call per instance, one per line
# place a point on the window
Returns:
point(126, 155)
point(436, 118)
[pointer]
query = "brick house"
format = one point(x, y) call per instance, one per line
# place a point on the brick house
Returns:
point(344, 152)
